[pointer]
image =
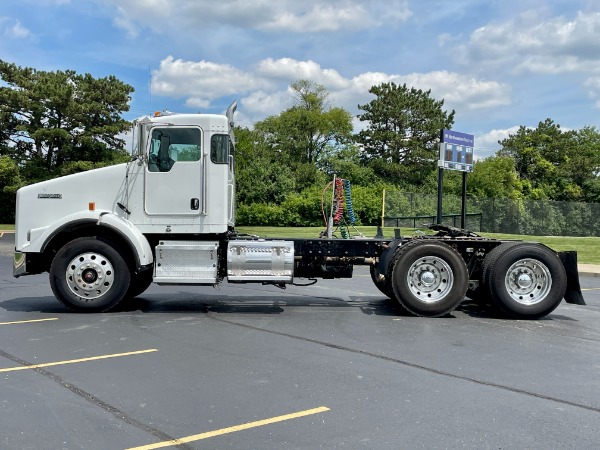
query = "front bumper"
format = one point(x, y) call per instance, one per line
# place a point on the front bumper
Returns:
point(19, 265)
point(28, 264)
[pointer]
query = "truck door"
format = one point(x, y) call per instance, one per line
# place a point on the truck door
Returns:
point(173, 184)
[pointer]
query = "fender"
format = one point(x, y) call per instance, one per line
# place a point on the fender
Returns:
point(143, 251)
point(386, 256)
point(40, 237)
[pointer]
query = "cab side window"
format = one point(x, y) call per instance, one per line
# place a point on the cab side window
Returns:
point(171, 145)
point(219, 149)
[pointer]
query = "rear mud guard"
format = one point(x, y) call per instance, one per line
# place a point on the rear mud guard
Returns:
point(573, 293)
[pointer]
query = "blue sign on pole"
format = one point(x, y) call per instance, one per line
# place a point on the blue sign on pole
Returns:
point(456, 151)
point(454, 137)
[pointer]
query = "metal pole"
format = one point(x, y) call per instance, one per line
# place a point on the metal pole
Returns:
point(330, 222)
point(463, 209)
point(383, 210)
point(440, 189)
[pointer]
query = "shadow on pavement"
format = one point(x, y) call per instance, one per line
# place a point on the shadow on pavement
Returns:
point(482, 310)
point(185, 302)
point(223, 304)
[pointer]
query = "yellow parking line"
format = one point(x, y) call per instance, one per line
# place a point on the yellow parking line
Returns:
point(245, 426)
point(73, 361)
point(28, 321)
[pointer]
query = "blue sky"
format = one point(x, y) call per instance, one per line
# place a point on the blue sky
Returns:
point(498, 64)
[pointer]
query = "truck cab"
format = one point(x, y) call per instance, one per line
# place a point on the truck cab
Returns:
point(178, 185)
point(188, 174)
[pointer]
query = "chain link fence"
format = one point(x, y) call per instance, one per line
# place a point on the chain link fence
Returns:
point(529, 217)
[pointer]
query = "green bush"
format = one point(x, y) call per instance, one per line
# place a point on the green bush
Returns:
point(259, 214)
point(366, 201)
point(305, 209)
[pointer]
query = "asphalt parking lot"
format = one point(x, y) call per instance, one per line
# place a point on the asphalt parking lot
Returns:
point(327, 366)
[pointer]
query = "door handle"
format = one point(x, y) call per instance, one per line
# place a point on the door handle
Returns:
point(195, 204)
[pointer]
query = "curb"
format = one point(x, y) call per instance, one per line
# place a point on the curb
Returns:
point(589, 274)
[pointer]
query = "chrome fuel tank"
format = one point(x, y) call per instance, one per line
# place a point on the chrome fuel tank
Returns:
point(256, 261)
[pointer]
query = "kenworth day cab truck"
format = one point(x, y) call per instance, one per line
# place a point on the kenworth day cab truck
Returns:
point(168, 217)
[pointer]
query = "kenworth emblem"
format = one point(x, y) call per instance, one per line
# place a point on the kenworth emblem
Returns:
point(49, 195)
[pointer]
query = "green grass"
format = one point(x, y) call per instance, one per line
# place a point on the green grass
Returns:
point(587, 248)
point(4, 227)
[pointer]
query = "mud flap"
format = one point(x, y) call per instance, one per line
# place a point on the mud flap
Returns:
point(573, 293)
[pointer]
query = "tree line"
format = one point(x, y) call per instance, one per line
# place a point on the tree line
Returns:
point(56, 123)
point(286, 159)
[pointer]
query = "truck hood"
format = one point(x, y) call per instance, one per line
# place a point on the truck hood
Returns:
point(42, 205)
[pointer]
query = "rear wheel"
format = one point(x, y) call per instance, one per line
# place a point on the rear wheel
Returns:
point(429, 278)
point(525, 281)
point(380, 282)
point(89, 275)
point(480, 294)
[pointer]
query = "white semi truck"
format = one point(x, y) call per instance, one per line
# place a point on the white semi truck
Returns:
point(168, 217)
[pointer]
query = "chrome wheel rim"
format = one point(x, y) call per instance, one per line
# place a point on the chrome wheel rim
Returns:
point(90, 275)
point(430, 279)
point(528, 281)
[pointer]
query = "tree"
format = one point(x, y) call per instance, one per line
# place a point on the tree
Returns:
point(583, 165)
point(10, 181)
point(403, 128)
point(10, 178)
point(52, 118)
point(345, 163)
point(495, 177)
point(554, 164)
point(302, 133)
point(260, 178)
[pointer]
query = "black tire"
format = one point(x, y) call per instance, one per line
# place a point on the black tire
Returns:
point(491, 257)
point(525, 280)
point(89, 275)
point(139, 283)
point(429, 278)
point(482, 293)
point(381, 283)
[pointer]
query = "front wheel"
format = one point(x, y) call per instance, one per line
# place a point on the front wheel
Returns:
point(139, 283)
point(429, 278)
point(89, 275)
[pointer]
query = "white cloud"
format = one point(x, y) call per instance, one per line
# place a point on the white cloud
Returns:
point(486, 144)
point(196, 102)
point(133, 15)
point(125, 24)
point(287, 69)
point(302, 17)
point(264, 90)
point(14, 29)
point(202, 80)
point(461, 91)
point(263, 104)
point(308, 16)
point(593, 86)
point(530, 44)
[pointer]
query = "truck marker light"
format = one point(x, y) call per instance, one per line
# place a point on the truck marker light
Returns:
point(92, 206)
